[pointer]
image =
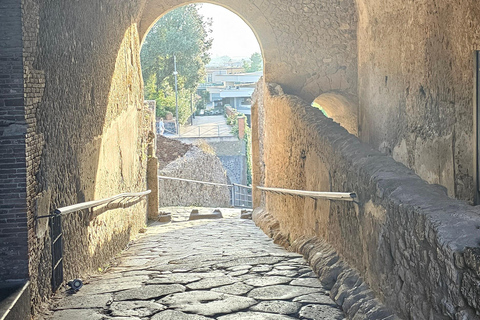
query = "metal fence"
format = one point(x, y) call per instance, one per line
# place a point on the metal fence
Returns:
point(205, 131)
point(241, 196)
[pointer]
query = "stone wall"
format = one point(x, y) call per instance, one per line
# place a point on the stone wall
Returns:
point(414, 246)
point(87, 136)
point(13, 175)
point(236, 168)
point(416, 80)
point(199, 165)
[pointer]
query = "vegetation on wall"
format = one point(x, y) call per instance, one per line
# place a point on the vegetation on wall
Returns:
point(185, 34)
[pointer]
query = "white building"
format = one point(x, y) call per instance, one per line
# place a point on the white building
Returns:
point(235, 90)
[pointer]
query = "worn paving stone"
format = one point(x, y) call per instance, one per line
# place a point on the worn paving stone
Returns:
point(174, 278)
point(320, 311)
point(321, 298)
point(278, 307)
point(177, 315)
point(307, 282)
point(223, 269)
point(238, 289)
point(78, 314)
point(285, 273)
point(149, 292)
point(211, 283)
point(84, 301)
point(207, 303)
point(254, 316)
point(113, 285)
point(261, 268)
point(267, 281)
point(135, 308)
point(280, 292)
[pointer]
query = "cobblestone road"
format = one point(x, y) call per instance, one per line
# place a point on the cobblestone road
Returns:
point(206, 269)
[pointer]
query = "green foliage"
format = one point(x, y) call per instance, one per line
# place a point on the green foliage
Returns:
point(204, 99)
point(182, 33)
point(255, 63)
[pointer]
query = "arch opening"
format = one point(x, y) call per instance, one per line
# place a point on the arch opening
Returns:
point(214, 108)
point(339, 108)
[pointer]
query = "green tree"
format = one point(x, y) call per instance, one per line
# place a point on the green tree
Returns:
point(255, 63)
point(182, 33)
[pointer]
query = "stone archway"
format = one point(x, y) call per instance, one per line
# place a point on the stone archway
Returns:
point(307, 48)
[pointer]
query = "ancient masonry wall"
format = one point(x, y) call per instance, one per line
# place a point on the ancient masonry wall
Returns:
point(87, 136)
point(194, 165)
point(13, 175)
point(414, 246)
point(416, 80)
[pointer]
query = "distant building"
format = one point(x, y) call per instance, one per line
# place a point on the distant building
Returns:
point(234, 89)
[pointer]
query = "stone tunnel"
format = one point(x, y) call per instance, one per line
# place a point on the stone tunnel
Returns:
point(401, 76)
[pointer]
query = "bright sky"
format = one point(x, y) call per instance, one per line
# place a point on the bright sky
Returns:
point(231, 35)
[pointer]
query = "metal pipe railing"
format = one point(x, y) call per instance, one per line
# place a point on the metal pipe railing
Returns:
point(196, 181)
point(343, 196)
point(95, 203)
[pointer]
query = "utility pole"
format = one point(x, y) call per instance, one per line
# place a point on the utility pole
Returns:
point(175, 73)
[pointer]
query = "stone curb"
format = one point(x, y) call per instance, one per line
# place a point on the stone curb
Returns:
point(346, 286)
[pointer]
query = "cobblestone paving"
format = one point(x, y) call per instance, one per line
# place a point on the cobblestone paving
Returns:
point(224, 269)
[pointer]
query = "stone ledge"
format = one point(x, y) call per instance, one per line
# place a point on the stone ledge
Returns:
point(345, 284)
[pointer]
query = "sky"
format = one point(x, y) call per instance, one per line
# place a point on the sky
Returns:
point(231, 35)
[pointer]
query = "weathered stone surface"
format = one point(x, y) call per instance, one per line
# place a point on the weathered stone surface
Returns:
point(320, 311)
point(135, 308)
point(238, 288)
point(207, 302)
point(182, 278)
point(314, 298)
point(209, 283)
point(267, 281)
point(195, 164)
point(278, 307)
point(254, 316)
point(202, 292)
point(177, 315)
point(280, 292)
point(78, 314)
point(84, 301)
point(149, 292)
point(307, 282)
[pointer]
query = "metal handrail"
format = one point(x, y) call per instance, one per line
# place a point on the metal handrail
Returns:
point(343, 196)
point(241, 185)
point(195, 181)
point(95, 203)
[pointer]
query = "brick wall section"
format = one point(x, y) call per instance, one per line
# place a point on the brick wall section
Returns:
point(13, 221)
point(417, 248)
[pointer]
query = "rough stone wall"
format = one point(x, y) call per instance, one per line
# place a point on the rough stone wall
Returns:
point(236, 168)
point(194, 165)
point(13, 175)
point(415, 247)
point(86, 138)
point(309, 46)
point(233, 158)
point(415, 74)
